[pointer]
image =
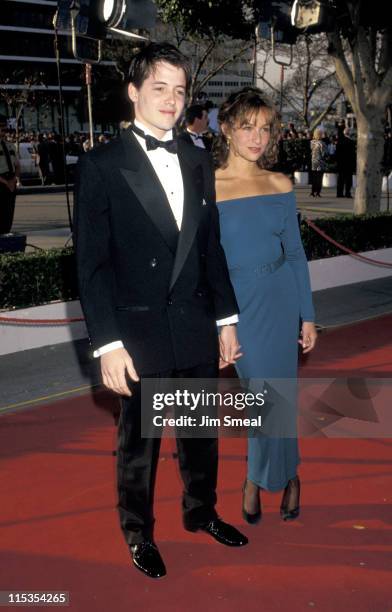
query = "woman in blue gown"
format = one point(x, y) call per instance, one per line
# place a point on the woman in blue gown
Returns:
point(269, 272)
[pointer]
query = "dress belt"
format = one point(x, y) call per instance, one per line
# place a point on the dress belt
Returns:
point(260, 269)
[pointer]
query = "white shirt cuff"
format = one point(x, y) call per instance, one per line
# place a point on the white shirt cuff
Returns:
point(118, 344)
point(228, 321)
point(107, 348)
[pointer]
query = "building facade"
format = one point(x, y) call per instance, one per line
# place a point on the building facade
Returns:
point(28, 67)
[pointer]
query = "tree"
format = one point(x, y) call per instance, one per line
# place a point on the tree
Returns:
point(213, 36)
point(361, 47)
point(311, 88)
point(206, 31)
point(18, 99)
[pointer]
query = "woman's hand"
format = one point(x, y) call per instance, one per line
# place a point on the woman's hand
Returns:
point(308, 336)
point(228, 346)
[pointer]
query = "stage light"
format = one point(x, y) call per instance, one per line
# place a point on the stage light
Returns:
point(275, 25)
point(91, 21)
point(110, 9)
point(97, 18)
point(313, 16)
point(275, 22)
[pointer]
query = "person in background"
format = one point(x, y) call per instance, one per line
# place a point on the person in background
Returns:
point(293, 133)
point(43, 158)
point(319, 154)
point(196, 127)
point(346, 164)
point(9, 179)
point(331, 147)
point(212, 111)
point(86, 145)
point(124, 125)
point(102, 139)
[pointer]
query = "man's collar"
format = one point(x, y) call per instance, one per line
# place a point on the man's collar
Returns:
point(196, 134)
point(147, 131)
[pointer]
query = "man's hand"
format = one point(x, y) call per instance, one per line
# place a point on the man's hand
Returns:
point(114, 364)
point(10, 183)
point(309, 336)
point(228, 346)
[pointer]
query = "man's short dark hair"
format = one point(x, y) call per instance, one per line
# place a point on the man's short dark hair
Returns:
point(193, 112)
point(144, 62)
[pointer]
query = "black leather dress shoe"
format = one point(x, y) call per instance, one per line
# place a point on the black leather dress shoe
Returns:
point(222, 532)
point(147, 559)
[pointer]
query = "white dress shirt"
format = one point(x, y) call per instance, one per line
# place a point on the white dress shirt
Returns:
point(197, 139)
point(168, 171)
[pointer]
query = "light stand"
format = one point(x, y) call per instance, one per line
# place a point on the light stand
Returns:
point(89, 103)
point(62, 127)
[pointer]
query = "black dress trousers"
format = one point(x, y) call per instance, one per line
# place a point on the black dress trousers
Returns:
point(137, 460)
point(7, 208)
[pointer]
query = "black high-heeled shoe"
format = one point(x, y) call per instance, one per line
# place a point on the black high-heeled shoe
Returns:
point(292, 489)
point(252, 519)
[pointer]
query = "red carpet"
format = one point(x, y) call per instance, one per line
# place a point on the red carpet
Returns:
point(59, 528)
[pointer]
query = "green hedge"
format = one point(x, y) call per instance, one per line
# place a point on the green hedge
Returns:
point(356, 232)
point(41, 277)
point(37, 278)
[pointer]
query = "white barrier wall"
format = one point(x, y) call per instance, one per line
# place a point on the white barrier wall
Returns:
point(345, 270)
point(15, 338)
point(324, 274)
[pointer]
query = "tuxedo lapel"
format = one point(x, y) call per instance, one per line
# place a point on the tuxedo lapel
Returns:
point(144, 183)
point(192, 176)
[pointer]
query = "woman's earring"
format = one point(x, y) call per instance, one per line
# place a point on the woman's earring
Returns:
point(228, 142)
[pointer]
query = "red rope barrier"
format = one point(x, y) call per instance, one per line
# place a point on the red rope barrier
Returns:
point(345, 249)
point(15, 321)
point(43, 322)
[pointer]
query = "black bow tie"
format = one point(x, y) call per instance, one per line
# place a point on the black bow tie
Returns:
point(153, 143)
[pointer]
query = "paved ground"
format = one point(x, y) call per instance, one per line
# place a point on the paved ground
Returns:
point(43, 216)
point(29, 378)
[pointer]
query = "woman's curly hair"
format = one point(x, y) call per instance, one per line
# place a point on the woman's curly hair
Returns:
point(236, 111)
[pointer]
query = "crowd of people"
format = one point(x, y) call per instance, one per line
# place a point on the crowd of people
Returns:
point(48, 150)
point(301, 150)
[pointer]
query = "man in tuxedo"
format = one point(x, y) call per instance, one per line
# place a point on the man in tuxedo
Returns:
point(346, 160)
point(153, 286)
point(196, 127)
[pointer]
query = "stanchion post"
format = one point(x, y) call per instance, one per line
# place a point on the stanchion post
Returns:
point(89, 103)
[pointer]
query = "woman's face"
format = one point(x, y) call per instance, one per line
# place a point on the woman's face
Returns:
point(249, 139)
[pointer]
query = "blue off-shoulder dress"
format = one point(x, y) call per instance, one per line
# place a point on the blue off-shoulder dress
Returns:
point(269, 273)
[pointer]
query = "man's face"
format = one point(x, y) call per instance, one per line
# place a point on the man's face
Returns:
point(200, 124)
point(160, 100)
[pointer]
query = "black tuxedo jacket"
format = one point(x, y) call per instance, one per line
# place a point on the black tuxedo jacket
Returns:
point(186, 137)
point(142, 281)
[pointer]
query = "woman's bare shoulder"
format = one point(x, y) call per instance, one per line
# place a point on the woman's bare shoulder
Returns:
point(280, 182)
point(225, 185)
point(221, 174)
